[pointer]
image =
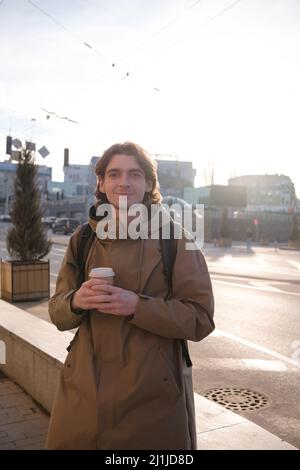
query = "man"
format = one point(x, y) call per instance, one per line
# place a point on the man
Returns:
point(125, 383)
point(249, 238)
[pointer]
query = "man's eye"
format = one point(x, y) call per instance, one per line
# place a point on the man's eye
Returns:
point(113, 175)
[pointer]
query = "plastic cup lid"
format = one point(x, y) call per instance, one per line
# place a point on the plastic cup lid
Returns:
point(102, 272)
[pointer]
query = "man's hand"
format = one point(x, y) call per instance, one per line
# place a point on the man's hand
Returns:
point(96, 294)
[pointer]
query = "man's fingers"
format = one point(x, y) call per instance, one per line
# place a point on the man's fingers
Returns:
point(99, 287)
point(112, 289)
point(96, 300)
point(94, 282)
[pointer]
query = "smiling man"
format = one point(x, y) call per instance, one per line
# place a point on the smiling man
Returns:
point(127, 380)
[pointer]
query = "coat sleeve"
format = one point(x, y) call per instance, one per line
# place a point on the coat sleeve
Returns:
point(189, 312)
point(61, 314)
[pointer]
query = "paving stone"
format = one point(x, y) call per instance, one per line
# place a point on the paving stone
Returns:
point(30, 441)
point(8, 446)
point(15, 399)
point(23, 424)
point(39, 446)
point(5, 419)
point(6, 439)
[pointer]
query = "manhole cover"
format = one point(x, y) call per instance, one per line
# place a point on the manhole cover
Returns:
point(238, 399)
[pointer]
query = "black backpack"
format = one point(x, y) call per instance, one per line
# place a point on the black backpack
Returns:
point(168, 250)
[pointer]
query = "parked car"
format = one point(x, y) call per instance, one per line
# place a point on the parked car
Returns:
point(48, 221)
point(65, 225)
point(5, 218)
point(170, 200)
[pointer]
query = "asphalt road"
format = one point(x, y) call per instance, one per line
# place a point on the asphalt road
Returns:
point(256, 344)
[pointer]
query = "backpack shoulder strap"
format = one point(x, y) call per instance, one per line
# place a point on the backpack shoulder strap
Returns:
point(168, 249)
point(86, 237)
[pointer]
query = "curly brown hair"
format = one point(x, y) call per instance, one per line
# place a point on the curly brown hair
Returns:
point(148, 165)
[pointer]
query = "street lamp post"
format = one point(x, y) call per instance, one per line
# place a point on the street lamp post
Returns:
point(6, 196)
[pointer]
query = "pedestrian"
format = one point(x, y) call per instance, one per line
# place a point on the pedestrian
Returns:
point(127, 380)
point(249, 236)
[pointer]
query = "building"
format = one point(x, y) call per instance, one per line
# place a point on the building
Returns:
point(174, 176)
point(267, 193)
point(76, 174)
point(7, 177)
point(217, 196)
point(75, 195)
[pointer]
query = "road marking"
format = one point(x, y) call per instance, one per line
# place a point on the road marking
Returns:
point(240, 278)
point(294, 263)
point(265, 288)
point(252, 265)
point(257, 347)
point(239, 364)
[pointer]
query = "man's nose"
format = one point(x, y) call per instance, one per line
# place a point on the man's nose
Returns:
point(124, 181)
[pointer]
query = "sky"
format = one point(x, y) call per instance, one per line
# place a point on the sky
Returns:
point(215, 82)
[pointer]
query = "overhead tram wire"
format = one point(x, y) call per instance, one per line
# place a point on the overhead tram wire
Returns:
point(156, 33)
point(203, 25)
point(222, 11)
point(163, 28)
point(113, 64)
point(68, 31)
point(87, 45)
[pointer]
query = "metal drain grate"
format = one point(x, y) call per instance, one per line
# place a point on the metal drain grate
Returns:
point(238, 399)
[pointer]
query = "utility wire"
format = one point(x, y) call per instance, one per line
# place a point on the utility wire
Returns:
point(222, 12)
point(140, 46)
point(217, 15)
point(161, 29)
point(60, 25)
point(127, 74)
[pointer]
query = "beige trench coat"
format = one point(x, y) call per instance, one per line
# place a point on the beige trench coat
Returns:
point(142, 397)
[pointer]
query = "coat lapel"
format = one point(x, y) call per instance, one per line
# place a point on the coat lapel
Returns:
point(151, 258)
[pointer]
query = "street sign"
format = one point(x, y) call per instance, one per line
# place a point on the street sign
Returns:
point(44, 152)
point(30, 146)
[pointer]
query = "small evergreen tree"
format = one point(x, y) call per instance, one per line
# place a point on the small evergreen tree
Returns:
point(295, 234)
point(224, 227)
point(27, 240)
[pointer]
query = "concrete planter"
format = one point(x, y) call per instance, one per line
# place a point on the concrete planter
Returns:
point(225, 242)
point(25, 280)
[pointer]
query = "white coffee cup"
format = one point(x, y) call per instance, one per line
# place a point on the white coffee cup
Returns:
point(106, 274)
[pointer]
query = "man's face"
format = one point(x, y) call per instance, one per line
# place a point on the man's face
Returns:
point(124, 177)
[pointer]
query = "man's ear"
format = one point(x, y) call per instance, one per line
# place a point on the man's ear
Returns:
point(101, 184)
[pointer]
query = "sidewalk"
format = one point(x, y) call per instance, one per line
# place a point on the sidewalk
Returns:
point(23, 425)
